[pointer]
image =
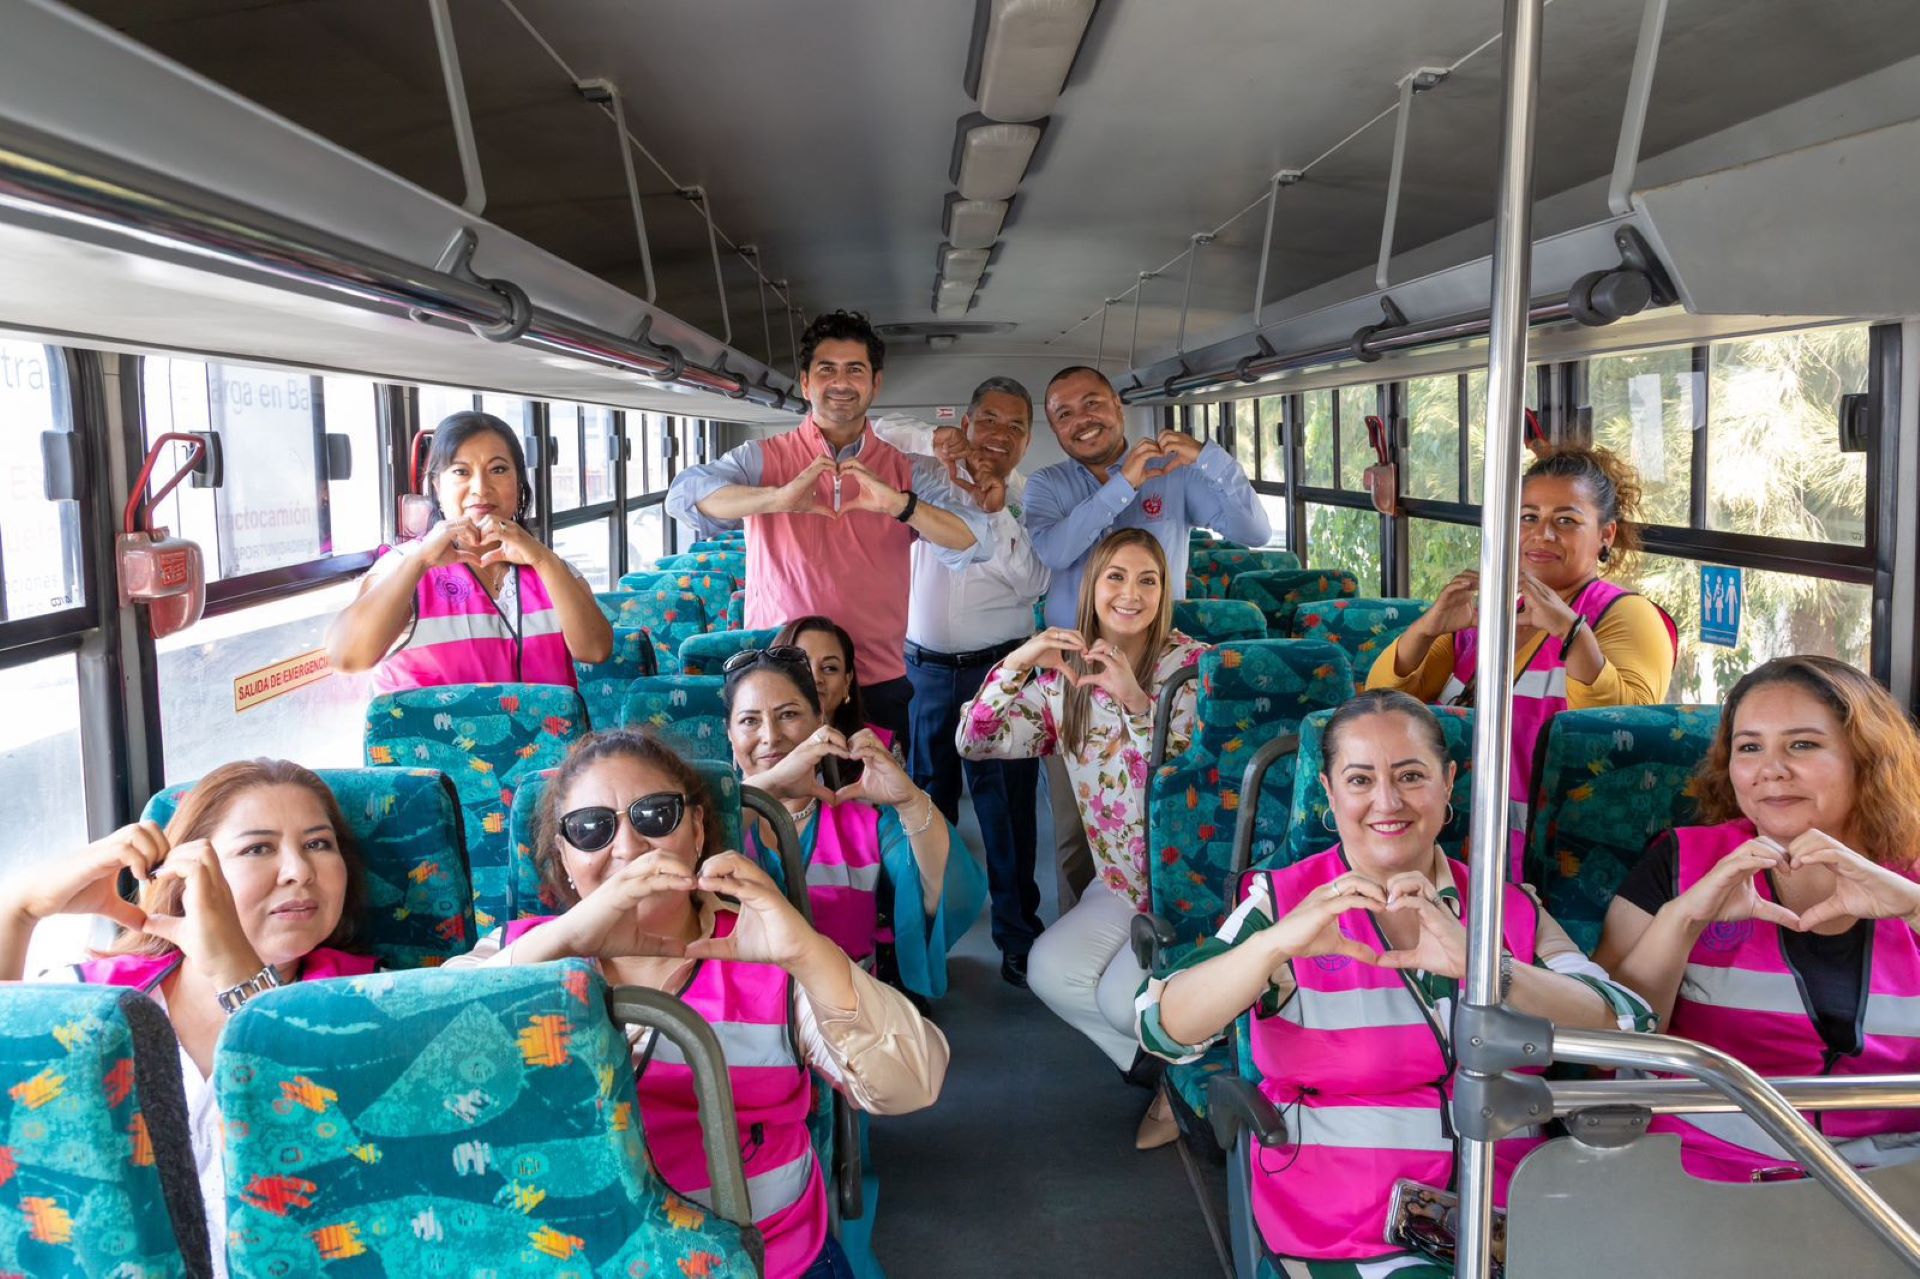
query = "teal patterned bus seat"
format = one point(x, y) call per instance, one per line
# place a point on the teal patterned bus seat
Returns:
point(737, 610)
point(1303, 828)
point(406, 825)
point(1249, 693)
point(665, 612)
point(712, 589)
point(729, 560)
point(1218, 621)
point(427, 1123)
point(687, 711)
point(1605, 783)
point(603, 685)
point(1364, 627)
point(1280, 592)
point(97, 1165)
point(526, 896)
point(705, 654)
point(1215, 566)
point(729, 541)
point(486, 737)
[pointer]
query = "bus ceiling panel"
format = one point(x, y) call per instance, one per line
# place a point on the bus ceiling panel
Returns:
point(1828, 229)
point(70, 86)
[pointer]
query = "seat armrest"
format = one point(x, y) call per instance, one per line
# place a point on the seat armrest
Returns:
point(1234, 1104)
point(846, 1159)
point(1150, 936)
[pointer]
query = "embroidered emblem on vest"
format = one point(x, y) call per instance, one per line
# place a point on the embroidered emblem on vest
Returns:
point(1153, 506)
point(1332, 963)
point(1726, 937)
point(455, 587)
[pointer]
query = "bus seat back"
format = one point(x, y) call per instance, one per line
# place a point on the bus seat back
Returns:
point(667, 613)
point(1306, 828)
point(1280, 592)
point(1215, 566)
point(486, 738)
point(712, 588)
point(1214, 621)
point(1364, 627)
point(689, 712)
point(706, 654)
point(603, 685)
point(406, 825)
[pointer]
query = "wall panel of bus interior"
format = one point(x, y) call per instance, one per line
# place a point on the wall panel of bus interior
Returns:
point(286, 228)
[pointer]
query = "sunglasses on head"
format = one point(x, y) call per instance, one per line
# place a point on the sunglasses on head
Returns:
point(779, 654)
point(652, 816)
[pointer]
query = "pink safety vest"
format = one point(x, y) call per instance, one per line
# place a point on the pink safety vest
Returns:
point(1739, 994)
point(1360, 1069)
point(1539, 693)
point(856, 569)
point(750, 1008)
point(145, 972)
point(843, 877)
point(460, 636)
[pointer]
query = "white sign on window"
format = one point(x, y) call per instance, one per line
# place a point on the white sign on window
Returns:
point(269, 500)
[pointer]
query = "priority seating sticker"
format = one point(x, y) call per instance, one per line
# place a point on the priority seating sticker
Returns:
point(269, 682)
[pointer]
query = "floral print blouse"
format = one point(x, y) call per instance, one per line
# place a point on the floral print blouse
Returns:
point(1017, 715)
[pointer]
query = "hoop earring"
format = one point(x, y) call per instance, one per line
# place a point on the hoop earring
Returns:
point(1606, 553)
point(1449, 820)
point(1326, 821)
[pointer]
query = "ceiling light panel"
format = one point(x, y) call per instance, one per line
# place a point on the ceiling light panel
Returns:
point(975, 224)
point(963, 264)
point(993, 159)
point(952, 297)
point(1029, 48)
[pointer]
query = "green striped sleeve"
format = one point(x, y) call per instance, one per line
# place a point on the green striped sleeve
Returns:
point(1251, 917)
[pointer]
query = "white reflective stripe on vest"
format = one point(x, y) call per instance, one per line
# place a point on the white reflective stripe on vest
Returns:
point(1360, 1009)
point(746, 1045)
point(459, 627)
point(544, 622)
point(772, 1191)
point(1370, 1128)
point(1893, 1016)
point(826, 875)
point(1538, 684)
point(1517, 815)
point(1450, 695)
point(1743, 989)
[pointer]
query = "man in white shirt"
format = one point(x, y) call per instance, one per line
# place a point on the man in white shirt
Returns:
point(959, 624)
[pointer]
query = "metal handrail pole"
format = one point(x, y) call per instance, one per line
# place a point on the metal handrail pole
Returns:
point(1633, 118)
point(787, 841)
point(114, 202)
point(462, 115)
point(1266, 254)
point(1692, 1097)
point(1761, 1103)
point(712, 1088)
point(1499, 577)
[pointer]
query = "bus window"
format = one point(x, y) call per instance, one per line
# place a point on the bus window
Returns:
point(585, 546)
point(1357, 403)
point(42, 778)
point(1775, 467)
point(438, 403)
point(1246, 435)
point(1316, 438)
point(1436, 553)
point(1345, 537)
point(353, 409)
point(596, 427)
point(1477, 424)
point(646, 536)
point(248, 677)
point(563, 429)
point(1433, 439)
point(273, 508)
point(39, 539)
point(1645, 409)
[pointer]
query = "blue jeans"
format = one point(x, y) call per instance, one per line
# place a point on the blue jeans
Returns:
point(832, 1262)
point(1004, 794)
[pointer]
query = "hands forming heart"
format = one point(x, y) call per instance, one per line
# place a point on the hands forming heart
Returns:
point(1159, 455)
point(1106, 667)
point(857, 488)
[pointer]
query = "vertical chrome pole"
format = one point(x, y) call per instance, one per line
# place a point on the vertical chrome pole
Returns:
point(1499, 580)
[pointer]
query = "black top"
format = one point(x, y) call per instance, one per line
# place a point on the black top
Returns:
point(1831, 969)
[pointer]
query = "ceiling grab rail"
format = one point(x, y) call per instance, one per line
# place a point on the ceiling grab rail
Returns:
point(1200, 240)
point(1418, 80)
point(1100, 354)
point(793, 347)
point(125, 206)
point(699, 196)
point(463, 141)
point(604, 92)
point(752, 253)
point(1284, 178)
point(1633, 118)
point(1486, 1101)
point(1139, 287)
point(1761, 1102)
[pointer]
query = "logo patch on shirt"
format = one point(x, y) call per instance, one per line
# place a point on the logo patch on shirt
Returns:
point(1726, 937)
point(1153, 505)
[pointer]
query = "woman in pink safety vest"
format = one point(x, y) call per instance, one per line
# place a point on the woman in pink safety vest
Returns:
point(1351, 963)
point(252, 885)
point(1580, 639)
point(479, 599)
point(829, 648)
point(630, 842)
point(1784, 932)
point(874, 846)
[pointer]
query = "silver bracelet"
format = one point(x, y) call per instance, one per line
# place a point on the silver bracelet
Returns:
point(926, 825)
point(233, 997)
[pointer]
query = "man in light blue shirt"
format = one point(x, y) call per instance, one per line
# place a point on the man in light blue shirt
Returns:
point(1166, 485)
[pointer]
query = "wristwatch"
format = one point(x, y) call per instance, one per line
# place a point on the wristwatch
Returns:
point(233, 996)
point(906, 512)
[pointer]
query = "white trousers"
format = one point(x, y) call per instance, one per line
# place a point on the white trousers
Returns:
point(1082, 968)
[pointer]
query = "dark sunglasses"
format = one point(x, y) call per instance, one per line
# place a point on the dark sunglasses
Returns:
point(654, 816)
point(779, 654)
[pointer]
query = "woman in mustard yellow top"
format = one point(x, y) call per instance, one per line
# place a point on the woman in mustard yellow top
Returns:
point(1581, 641)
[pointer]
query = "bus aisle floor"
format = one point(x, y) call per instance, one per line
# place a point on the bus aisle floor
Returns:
point(1026, 1166)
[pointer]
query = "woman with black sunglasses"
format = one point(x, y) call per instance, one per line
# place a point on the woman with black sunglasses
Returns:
point(629, 842)
point(868, 835)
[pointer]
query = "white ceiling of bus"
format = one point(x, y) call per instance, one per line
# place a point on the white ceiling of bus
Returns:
point(823, 131)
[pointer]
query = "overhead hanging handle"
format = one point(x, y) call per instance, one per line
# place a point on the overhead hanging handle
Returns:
point(134, 518)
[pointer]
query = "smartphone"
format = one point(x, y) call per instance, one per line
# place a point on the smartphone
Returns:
point(1427, 1221)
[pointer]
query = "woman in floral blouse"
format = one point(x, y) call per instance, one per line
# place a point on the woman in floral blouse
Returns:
point(1089, 695)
